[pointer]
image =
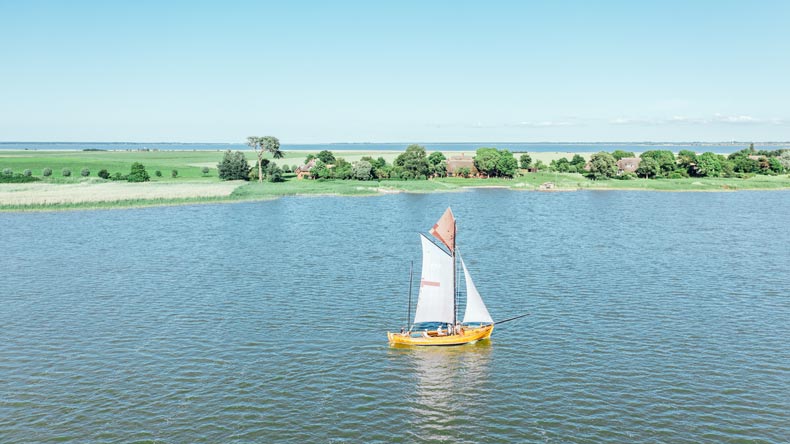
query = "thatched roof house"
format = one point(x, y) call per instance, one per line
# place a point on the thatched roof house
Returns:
point(457, 162)
point(628, 165)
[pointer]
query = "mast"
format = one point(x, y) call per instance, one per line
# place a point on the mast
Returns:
point(408, 313)
point(455, 279)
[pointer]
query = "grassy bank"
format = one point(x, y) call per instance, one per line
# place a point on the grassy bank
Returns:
point(192, 186)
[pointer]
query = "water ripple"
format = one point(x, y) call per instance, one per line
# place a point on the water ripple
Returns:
point(655, 317)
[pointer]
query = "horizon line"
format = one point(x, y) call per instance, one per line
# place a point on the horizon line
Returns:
point(621, 142)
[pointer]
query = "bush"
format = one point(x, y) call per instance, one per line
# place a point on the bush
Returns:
point(7, 172)
point(104, 174)
point(46, 172)
point(66, 172)
point(274, 173)
point(627, 176)
point(174, 174)
point(17, 178)
point(138, 173)
point(85, 172)
point(205, 171)
point(233, 166)
point(27, 173)
point(158, 173)
point(118, 176)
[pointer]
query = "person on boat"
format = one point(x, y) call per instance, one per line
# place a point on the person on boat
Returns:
point(459, 329)
point(425, 333)
point(439, 331)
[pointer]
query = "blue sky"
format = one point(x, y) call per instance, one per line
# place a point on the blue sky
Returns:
point(405, 71)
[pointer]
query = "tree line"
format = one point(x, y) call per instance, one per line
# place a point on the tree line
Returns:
point(416, 164)
point(413, 164)
point(664, 164)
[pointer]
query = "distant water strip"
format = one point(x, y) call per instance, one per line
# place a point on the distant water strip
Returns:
point(444, 146)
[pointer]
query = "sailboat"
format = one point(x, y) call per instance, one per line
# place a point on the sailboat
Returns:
point(436, 317)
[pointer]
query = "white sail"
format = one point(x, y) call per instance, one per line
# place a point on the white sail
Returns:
point(476, 310)
point(436, 299)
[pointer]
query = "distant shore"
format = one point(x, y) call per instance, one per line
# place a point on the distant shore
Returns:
point(531, 147)
point(192, 186)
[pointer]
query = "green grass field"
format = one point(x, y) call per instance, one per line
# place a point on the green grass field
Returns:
point(190, 163)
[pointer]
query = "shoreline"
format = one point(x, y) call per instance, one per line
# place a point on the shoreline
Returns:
point(126, 204)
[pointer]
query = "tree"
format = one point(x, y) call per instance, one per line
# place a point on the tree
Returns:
point(602, 166)
point(46, 172)
point(687, 160)
point(174, 174)
point(579, 162)
point(85, 172)
point(648, 167)
point(342, 169)
point(619, 154)
point(65, 172)
point(526, 161)
point(261, 145)
point(438, 164)
point(327, 157)
point(463, 172)
point(158, 173)
point(743, 164)
point(436, 158)
point(205, 171)
point(104, 174)
point(233, 166)
point(361, 170)
point(506, 164)
point(709, 165)
point(320, 171)
point(413, 162)
point(27, 173)
point(138, 173)
point(774, 165)
point(486, 161)
point(784, 159)
point(665, 159)
point(495, 163)
point(561, 165)
point(539, 165)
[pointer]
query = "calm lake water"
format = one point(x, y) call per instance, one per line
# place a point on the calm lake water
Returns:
point(655, 317)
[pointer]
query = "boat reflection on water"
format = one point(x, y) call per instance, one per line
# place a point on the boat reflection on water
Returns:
point(450, 387)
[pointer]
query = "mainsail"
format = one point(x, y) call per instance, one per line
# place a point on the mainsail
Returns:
point(476, 311)
point(436, 298)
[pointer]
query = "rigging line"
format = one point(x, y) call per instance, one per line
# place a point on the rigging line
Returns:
point(437, 245)
point(512, 319)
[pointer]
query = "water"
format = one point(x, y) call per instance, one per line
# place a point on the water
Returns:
point(655, 317)
point(514, 147)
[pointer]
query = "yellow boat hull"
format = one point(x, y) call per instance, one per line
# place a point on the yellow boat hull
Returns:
point(468, 335)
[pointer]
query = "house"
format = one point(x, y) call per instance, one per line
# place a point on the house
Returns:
point(303, 171)
point(628, 165)
point(457, 162)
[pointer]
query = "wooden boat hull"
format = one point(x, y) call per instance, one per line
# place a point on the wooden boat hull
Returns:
point(469, 335)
